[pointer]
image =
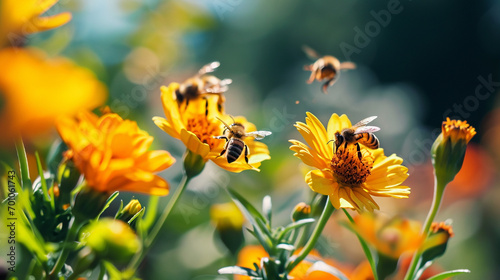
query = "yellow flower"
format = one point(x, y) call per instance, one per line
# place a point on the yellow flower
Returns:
point(113, 155)
point(349, 181)
point(391, 237)
point(448, 151)
point(20, 18)
point(35, 90)
point(226, 216)
point(196, 124)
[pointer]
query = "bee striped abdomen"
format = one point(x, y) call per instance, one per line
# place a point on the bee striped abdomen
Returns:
point(369, 140)
point(234, 149)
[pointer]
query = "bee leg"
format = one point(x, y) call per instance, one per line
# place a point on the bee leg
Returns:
point(312, 77)
point(246, 153)
point(225, 147)
point(328, 84)
point(360, 156)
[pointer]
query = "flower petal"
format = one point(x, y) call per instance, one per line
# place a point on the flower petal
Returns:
point(321, 182)
point(194, 144)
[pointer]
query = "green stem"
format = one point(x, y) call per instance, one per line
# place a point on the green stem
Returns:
point(70, 238)
point(134, 264)
point(327, 212)
point(436, 202)
point(366, 249)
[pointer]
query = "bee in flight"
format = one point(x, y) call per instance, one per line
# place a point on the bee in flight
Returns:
point(202, 84)
point(325, 68)
point(359, 133)
point(234, 134)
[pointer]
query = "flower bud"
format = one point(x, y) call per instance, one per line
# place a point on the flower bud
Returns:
point(193, 163)
point(448, 151)
point(68, 177)
point(228, 221)
point(435, 244)
point(129, 211)
point(88, 203)
point(301, 211)
point(111, 240)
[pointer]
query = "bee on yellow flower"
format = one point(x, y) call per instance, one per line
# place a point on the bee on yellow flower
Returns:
point(349, 175)
point(197, 124)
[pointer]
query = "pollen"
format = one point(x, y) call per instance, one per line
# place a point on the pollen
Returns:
point(349, 168)
point(204, 130)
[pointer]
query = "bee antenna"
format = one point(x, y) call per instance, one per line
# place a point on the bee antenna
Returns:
point(225, 124)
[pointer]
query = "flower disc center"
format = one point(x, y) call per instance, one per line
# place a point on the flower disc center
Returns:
point(349, 168)
point(204, 130)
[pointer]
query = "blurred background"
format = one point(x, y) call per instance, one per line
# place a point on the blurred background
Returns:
point(418, 63)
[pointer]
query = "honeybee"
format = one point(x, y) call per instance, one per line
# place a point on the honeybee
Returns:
point(325, 68)
point(234, 134)
point(202, 84)
point(358, 133)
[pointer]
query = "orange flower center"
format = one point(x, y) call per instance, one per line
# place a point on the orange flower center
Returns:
point(443, 227)
point(204, 130)
point(350, 166)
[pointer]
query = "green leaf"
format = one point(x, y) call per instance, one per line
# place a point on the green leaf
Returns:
point(449, 274)
point(247, 208)
point(321, 266)
point(23, 164)
point(108, 202)
point(46, 195)
point(267, 208)
point(238, 270)
point(364, 244)
point(119, 209)
point(298, 224)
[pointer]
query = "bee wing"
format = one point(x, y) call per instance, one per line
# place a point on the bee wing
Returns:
point(347, 65)
point(258, 134)
point(367, 129)
point(364, 122)
point(226, 82)
point(209, 68)
point(312, 54)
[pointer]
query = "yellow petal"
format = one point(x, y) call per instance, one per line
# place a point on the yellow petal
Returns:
point(336, 124)
point(194, 144)
point(46, 23)
point(165, 125)
point(321, 182)
point(154, 161)
point(321, 137)
point(307, 155)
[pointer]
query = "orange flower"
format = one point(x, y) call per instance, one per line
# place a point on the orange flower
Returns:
point(457, 130)
point(348, 179)
point(196, 124)
point(251, 254)
point(113, 155)
point(392, 237)
point(448, 151)
point(35, 90)
point(20, 18)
